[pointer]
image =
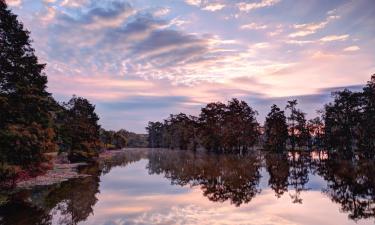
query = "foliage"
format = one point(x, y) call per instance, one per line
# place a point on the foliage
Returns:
point(276, 129)
point(350, 120)
point(81, 129)
point(219, 127)
point(25, 119)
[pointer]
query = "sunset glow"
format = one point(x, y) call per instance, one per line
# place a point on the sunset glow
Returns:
point(139, 60)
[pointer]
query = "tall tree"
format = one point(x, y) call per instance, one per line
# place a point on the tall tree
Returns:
point(367, 137)
point(342, 120)
point(81, 126)
point(302, 134)
point(155, 134)
point(292, 121)
point(276, 129)
point(25, 118)
point(240, 128)
point(315, 128)
point(211, 128)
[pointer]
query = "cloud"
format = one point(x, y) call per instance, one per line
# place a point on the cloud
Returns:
point(14, 3)
point(244, 6)
point(161, 12)
point(310, 28)
point(72, 3)
point(214, 7)
point(334, 38)
point(352, 48)
point(253, 26)
point(193, 2)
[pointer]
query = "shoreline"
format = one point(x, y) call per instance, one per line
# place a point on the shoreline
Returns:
point(61, 171)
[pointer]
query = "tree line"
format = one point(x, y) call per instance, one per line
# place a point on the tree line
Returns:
point(32, 122)
point(345, 125)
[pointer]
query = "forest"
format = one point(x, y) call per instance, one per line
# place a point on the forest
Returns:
point(345, 125)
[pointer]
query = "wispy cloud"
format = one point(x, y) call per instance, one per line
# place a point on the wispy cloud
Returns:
point(334, 38)
point(244, 6)
point(161, 11)
point(253, 26)
point(310, 28)
point(73, 3)
point(193, 2)
point(213, 7)
point(352, 48)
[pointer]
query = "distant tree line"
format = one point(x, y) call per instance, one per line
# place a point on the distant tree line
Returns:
point(122, 138)
point(32, 122)
point(345, 125)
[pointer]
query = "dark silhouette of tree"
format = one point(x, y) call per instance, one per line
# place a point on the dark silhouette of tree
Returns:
point(25, 118)
point(278, 168)
point(211, 126)
point(155, 134)
point(297, 127)
point(276, 129)
point(221, 128)
point(342, 120)
point(367, 129)
point(302, 134)
point(292, 122)
point(240, 128)
point(82, 129)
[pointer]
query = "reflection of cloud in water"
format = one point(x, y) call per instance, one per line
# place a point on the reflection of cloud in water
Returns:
point(129, 195)
point(193, 208)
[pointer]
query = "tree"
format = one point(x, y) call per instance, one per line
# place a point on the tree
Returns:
point(367, 137)
point(276, 129)
point(315, 128)
point(81, 126)
point(240, 128)
point(25, 118)
point(292, 121)
point(211, 121)
point(302, 134)
point(342, 120)
point(155, 134)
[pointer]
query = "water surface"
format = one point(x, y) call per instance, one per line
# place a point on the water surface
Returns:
point(181, 187)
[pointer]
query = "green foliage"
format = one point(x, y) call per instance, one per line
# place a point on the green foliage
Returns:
point(81, 130)
point(25, 119)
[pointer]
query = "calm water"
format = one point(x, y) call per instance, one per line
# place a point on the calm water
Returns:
point(178, 187)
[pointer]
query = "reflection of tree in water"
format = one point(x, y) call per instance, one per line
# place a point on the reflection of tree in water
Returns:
point(278, 168)
point(221, 177)
point(72, 201)
point(351, 183)
point(122, 159)
point(298, 174)
point(288, 172)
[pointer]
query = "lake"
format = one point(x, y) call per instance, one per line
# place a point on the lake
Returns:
point(145, 186)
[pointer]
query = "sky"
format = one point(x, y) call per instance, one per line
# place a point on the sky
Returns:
point(141, 60)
